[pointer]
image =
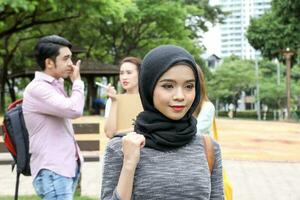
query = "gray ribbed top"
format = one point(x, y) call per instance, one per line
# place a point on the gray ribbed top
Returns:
point(178, 174)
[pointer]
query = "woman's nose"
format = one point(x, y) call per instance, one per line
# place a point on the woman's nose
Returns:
point(123, 76)
point(179, 96)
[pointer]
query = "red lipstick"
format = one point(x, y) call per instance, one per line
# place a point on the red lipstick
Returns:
point(177, 108)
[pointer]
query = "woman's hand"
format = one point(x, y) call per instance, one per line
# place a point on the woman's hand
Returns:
point(132, 144)
point(111, 92)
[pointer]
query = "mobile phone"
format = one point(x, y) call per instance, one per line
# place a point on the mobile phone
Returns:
point(101, 85)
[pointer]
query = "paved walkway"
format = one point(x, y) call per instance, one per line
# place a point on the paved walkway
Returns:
point(259, 140)
point(90, 181)
point(257, 180)
point(252, 180)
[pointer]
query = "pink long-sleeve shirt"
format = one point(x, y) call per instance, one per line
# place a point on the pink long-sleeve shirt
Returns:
point(48, 111)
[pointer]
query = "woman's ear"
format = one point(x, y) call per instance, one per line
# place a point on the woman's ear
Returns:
point(49, 64)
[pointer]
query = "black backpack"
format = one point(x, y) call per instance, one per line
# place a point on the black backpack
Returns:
point(16, 140)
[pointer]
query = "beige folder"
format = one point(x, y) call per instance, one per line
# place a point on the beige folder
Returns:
point(129, 106)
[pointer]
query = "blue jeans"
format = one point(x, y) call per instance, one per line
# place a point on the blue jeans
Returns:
point(52, 186)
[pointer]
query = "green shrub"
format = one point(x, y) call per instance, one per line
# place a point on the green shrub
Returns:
point(251, 114)
point(296, 115)
point(246, 114)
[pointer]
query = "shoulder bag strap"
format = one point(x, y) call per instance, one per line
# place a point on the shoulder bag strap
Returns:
point(209, 151)
point(215, 131)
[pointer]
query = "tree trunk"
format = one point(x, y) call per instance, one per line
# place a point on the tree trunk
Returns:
point(2, 88)
point(91, 93)
point(11, 89)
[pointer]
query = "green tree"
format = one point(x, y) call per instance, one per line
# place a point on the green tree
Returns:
point(107, 29)
point(295, 89)
point(287, 9)
point(23, 20)
point(272, 90)
point(142, 25)
point(277, 29)
point(271, 34)
point(232, 77)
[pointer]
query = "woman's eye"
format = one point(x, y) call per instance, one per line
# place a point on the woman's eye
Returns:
point(190, 86)
point(167, 86)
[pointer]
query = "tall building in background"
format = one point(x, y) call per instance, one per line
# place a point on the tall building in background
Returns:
point(229, 38)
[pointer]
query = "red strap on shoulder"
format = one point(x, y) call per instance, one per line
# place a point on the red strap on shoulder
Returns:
point(14, 104)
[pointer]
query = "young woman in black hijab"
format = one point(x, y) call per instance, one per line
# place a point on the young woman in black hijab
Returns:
point(163, 158)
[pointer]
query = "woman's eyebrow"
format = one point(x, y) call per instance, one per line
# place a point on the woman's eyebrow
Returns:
point(167, 80)
point(172, 80)
point(191, 80)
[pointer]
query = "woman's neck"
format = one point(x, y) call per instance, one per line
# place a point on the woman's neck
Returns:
point(132, 91)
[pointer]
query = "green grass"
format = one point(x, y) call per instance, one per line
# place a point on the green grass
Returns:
point(37, 198)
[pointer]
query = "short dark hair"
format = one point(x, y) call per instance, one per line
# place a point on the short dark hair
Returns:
point(48, 47)
point(134, 60)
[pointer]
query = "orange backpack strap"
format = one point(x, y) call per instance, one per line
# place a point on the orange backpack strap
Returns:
point(209, 151)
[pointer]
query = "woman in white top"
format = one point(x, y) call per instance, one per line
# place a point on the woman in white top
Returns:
point(129, 70)
point(205, 111)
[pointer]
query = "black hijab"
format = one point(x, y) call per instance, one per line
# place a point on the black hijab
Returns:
point(162, 133)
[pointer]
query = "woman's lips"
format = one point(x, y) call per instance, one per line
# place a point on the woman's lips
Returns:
point(177, 108)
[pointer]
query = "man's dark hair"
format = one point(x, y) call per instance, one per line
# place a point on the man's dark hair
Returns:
point(48, 47)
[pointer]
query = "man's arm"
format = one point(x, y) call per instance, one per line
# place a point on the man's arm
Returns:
point(47, 100)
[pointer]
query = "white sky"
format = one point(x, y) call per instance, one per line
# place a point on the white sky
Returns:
point(211, 39)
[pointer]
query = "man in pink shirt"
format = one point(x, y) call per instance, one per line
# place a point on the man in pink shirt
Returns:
point(48, 110)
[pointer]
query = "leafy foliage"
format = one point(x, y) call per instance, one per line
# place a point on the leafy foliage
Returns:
point(231, 78)
point(272, 91)
point(272, 33)
point(277, 29)
point(107, 29)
